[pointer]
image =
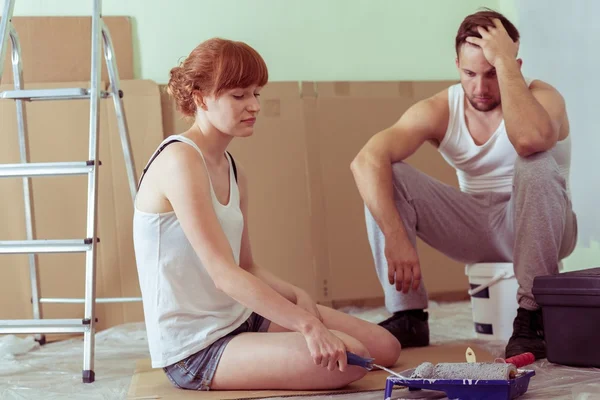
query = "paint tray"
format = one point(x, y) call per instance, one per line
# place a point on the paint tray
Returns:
point(465, 389)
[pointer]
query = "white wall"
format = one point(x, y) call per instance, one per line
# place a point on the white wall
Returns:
point(561, 44)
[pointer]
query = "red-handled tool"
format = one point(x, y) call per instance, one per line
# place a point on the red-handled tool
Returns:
point(519, 360)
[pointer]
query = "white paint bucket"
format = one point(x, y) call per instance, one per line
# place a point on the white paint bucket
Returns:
point(493, 299)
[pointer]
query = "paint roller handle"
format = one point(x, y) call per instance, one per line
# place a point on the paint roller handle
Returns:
point(521, 360)
point(355, 359)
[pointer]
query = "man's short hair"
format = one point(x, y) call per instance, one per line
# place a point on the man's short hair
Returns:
point(483, 18)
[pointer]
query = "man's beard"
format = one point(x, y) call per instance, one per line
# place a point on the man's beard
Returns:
point(484, 107)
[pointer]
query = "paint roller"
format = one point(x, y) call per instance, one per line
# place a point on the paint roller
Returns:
point(474, 371)
point(448, 371)
point(499, 370)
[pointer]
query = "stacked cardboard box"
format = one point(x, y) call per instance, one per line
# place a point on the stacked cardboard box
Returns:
point(56, 53)
point(306, 217)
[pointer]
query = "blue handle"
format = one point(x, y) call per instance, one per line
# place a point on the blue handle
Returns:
point(355, 359)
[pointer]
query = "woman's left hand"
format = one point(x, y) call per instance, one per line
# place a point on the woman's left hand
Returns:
point(304, 301)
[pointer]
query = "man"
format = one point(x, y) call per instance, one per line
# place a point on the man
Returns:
point(508, 139)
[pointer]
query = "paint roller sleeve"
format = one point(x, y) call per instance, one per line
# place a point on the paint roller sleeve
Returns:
point(479, 371)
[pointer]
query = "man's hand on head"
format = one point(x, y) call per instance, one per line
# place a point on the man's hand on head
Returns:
point(495, 42)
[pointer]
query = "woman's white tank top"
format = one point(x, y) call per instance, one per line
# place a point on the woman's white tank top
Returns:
point(183, 309)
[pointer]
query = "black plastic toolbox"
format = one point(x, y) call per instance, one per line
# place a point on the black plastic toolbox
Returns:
point(570, 304)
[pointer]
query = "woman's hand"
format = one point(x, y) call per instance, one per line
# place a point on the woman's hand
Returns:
point(326, 349)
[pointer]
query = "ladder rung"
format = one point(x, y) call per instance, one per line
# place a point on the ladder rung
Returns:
point(45, 246)
point(46, 169)
point(98, 300)
point(50, 94)
point(44, 326)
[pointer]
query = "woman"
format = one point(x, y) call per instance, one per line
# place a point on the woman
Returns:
point(208, 307)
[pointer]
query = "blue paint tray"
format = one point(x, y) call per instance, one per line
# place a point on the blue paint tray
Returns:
point(465, 389)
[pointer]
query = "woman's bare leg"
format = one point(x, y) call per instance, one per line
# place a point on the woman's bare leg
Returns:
point(280, 361)
point(380, 343)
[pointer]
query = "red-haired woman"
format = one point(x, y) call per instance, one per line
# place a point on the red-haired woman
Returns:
point(215, 320)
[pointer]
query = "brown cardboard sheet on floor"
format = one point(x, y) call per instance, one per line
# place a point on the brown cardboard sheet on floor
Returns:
point(59, 131)
point(153, 383)
point(58, 49)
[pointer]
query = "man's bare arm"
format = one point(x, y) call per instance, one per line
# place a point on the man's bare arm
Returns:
point(372, 169)
point(533, 116)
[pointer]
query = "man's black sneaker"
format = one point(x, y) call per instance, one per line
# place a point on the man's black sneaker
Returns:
point(409, 327)
point(528, 334)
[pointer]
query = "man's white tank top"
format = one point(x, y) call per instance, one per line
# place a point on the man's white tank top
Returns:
point(183, 309)
point(488, 167)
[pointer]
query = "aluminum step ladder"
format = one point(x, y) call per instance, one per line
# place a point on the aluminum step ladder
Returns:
point(26, 170)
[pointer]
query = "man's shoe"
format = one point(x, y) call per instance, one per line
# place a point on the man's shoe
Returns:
point(409, 327)
point(528, 334)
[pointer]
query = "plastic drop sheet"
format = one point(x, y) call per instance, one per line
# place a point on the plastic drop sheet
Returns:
point(53, 371)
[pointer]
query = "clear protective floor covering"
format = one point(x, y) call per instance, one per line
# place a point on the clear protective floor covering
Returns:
point(53, 371)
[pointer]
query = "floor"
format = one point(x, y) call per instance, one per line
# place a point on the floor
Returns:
point(54, 370)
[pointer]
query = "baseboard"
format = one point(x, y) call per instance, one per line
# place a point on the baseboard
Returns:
point(445, 297)
point(450, 297)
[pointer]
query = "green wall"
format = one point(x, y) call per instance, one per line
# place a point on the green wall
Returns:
point(303, 40)
point(300, 40)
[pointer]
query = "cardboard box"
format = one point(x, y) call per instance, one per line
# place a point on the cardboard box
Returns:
point(59, 131)
point(274, 160)
point(347, 115)
point(58, 49)
point(306, 215)
point(56, 52)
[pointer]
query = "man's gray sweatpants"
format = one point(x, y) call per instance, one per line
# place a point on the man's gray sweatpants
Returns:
point(534, 227)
